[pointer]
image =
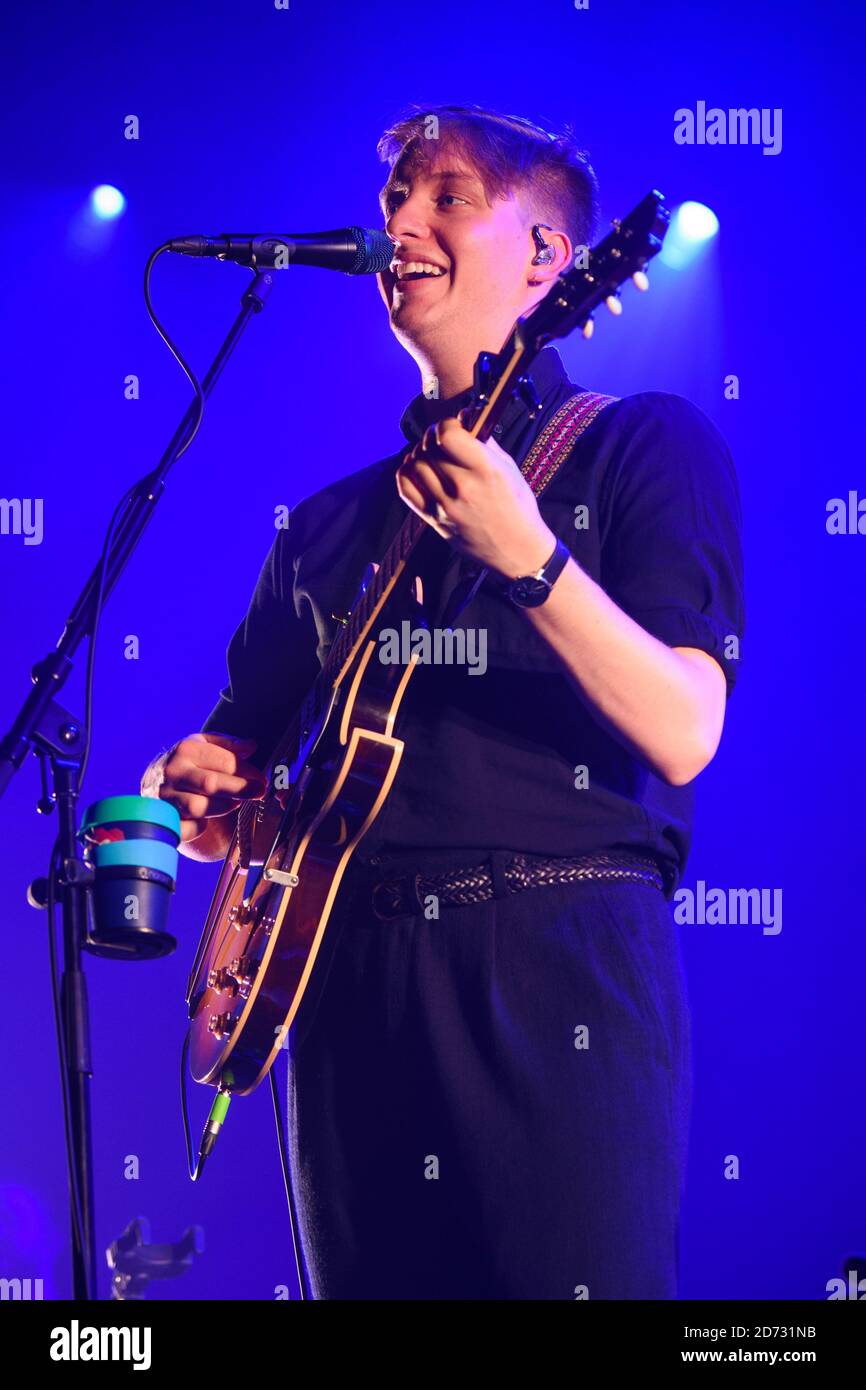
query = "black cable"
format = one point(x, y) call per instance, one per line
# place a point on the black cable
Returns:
point(174, 350)
point(97, 611)
point(284, 1164)
point(213, 1124)
point(195, 1170)
point(122, 505)
point(74, 1193)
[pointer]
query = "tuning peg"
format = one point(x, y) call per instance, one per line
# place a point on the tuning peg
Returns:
point(640, 280)
point(613, 304)
point(588, 328)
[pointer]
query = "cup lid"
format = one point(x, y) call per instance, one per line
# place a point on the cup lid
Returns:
point(112, 809)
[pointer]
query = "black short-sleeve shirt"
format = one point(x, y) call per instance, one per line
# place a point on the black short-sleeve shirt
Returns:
point(513, 759)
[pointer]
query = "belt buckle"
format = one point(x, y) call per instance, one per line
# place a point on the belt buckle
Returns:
point(394, 901)
point(387, 900)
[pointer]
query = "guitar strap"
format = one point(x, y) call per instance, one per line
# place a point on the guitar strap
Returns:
point(553, 445)
point(542, 463)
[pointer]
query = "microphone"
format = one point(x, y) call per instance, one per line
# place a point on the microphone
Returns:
point(355, 250)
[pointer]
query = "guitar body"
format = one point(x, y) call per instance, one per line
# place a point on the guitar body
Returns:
point(276, 894)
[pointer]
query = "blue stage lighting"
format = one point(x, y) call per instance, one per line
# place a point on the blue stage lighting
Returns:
point(692, 226)
point(107, 201)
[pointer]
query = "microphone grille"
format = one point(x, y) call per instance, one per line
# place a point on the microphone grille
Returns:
point(375, 251)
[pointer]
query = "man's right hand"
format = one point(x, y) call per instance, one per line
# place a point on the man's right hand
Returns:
point(205, 776)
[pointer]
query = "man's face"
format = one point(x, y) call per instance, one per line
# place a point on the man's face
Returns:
point(439, 216)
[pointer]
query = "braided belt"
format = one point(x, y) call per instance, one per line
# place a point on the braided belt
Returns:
point(406, 895)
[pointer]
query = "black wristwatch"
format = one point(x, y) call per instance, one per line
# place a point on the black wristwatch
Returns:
point(530, 590)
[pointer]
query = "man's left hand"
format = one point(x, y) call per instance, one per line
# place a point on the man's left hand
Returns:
point(475, 496)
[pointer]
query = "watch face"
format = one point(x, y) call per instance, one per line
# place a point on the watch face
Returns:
point(529, 592)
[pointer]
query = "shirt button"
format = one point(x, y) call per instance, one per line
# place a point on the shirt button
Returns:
point(375, 859)
point(497, 429)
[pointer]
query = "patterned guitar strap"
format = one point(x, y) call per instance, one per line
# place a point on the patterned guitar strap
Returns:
point(540, 466)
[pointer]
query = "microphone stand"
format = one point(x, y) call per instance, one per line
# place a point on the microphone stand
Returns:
point(58, 738)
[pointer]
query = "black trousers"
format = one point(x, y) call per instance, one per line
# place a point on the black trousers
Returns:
point(493, 1104)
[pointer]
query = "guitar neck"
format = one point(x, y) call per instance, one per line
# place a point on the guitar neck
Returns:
point(414, 527)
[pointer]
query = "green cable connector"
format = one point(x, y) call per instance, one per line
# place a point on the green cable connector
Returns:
point(218, 1110)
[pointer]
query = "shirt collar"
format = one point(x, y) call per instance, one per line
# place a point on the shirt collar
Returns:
point(546, 372)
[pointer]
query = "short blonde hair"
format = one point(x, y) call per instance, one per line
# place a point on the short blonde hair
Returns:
point(511, 156)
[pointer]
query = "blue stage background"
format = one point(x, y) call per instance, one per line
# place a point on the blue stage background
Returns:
point(254, 117)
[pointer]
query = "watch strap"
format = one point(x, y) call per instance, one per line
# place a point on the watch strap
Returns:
point(531, 590)
point(556, 564)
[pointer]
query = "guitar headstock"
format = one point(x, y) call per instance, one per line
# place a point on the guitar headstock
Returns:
point(622, 255)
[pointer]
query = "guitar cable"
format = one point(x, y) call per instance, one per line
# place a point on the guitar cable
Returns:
point(284, 1164)
point(216, 1115)
point(210, 1134)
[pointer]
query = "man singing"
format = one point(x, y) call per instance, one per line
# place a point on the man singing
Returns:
point(489, 1084)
